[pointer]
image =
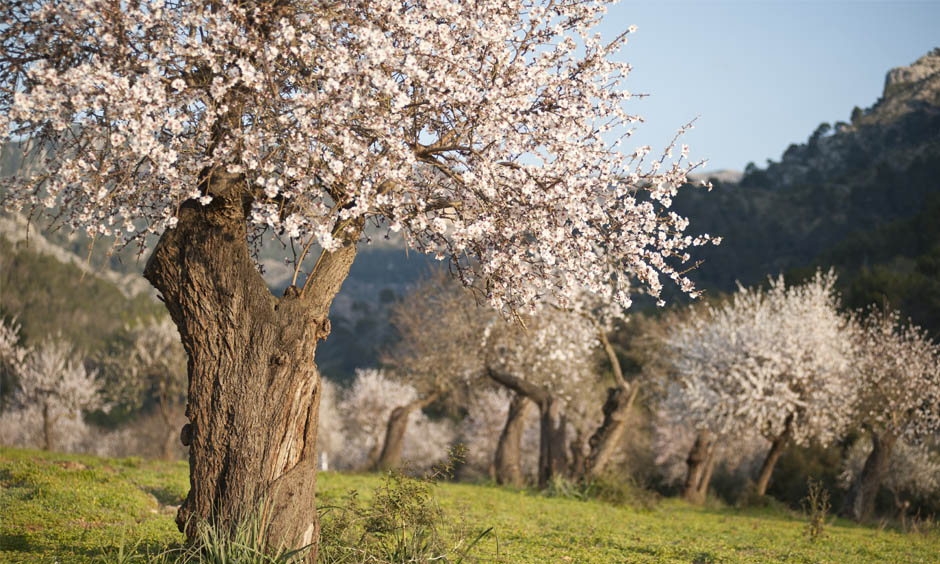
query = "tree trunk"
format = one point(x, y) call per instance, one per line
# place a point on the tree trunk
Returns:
point(46, 427)
point(697, 462)
point(508, 460)
point(170, 433)
point(553, 457)
point(390, 456)
point(577, 468)
point(773, 455)
point(702, 492)
point(860, 503)
point(606, 439)
point(254, 390)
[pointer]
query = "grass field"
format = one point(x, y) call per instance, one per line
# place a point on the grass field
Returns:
point(60, 508)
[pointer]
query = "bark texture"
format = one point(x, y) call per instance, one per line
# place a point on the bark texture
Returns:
point(507, 462)
point(390, 457)
point(700, 461)
point(860, 502)
point(254, 390)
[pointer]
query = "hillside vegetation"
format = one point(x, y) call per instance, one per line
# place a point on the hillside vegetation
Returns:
point(861, 196)
point(77, 509)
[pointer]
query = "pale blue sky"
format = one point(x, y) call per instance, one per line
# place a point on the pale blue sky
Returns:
point(762, 74)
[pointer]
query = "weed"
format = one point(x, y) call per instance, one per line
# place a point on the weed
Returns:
point(816, 506)
point(401, 523)
point(614, 492)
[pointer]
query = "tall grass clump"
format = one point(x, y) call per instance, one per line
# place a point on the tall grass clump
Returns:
point(400, 522)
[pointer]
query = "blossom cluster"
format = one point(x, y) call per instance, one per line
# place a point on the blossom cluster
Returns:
point(486, 132)
point(776, 360)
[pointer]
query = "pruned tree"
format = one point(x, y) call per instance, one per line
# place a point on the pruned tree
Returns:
point(500, 432)
point(776, 360)
point(150, 366)
point(897, 369)
point(485, 132)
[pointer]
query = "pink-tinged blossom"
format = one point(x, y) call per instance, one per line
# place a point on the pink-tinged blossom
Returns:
point(472, 127)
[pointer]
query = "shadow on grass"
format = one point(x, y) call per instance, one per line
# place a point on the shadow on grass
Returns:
point(165, 496)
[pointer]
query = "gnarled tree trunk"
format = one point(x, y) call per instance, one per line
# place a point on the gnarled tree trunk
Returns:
point(606, 438)
point(701, 456)
point(507, 462)
point(553, 457)
point(860, 503)
point(254, 390)
point(777, 447)
point(390, 456)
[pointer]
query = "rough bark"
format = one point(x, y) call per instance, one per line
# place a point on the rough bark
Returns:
point(169, 435)
point(553, 457)
point(697, 462)
point(860, 502)
point(254, 390)
point(507, 462)
point(390, 457)
point(777, 447)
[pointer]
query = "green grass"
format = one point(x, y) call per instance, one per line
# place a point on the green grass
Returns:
point(66, 508)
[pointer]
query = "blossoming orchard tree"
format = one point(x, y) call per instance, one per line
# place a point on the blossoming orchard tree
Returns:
point(777, 361)
point(485, 132)
point(898, 369)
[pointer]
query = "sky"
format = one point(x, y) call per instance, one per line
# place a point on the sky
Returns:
point(760, 75)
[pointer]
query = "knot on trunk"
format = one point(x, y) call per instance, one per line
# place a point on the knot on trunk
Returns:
point(323, 330)
point(186, 434)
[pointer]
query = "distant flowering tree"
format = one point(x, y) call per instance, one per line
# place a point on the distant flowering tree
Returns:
point(12, 356)
point(364, 410)
point(688, 448)
point(897, 370)
point(551, 359)
point(55, 384)
point(913, 469)
point(486, 132)
point(438, 324)
point(151, 366)
point(775, 360)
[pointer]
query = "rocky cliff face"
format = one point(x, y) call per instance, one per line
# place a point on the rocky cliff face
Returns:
point(908, 89)
point(922, 68)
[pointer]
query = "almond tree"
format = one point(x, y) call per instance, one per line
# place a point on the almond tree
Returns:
point(689, 448)
point(775, 360)
point(12, 356)
point(364, 409)
point(898, 374)
point(486, 132)
point(53, 380)
point(550, 359)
